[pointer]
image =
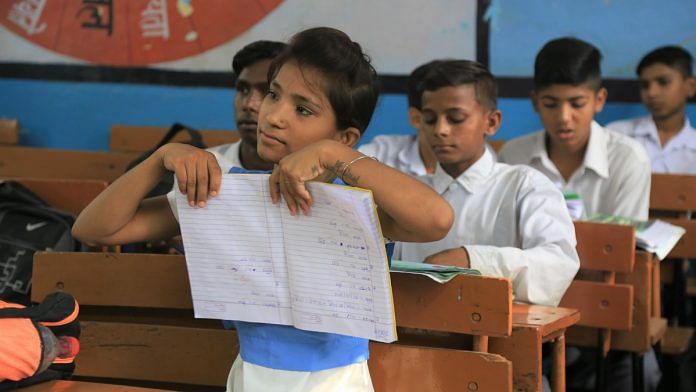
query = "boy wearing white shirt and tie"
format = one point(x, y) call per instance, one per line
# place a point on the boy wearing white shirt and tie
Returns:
point(666, 84)
point(510, 221)
point(609, 171)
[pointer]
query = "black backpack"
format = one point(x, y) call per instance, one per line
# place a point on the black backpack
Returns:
point(167, 182)
point(27, 225)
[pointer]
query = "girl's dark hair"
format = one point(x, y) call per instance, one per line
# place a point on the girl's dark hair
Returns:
point(449, 73)
point(671, 56)
point(567, 61)
point(350, 82)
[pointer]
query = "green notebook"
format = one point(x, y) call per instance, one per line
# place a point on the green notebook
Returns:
point(438, 273)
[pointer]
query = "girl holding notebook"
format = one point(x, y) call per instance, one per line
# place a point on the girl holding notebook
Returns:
point(321, 98)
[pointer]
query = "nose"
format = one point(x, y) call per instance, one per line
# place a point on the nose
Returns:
point(252, 101)
point(275, 115)
point(565, 114)
point(651, 89)
point(442, 127)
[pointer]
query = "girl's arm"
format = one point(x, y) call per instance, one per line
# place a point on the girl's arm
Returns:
point(121, 214)
point(408, 209)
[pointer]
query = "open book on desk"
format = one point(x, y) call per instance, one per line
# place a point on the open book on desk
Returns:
point(250, 260)
point(436, 272)
point(654, 236)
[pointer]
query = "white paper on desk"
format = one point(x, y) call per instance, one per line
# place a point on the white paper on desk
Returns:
point(250, 260)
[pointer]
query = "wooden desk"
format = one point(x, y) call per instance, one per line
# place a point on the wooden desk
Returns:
point(133, 306)
point(68, 195)
point(81, 386)
point(533, 325)
point(136, 138)
point(31, 162)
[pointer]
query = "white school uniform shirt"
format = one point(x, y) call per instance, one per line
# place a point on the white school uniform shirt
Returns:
point(398, 151)
point(227, 156)
point(677, 157)
point(514, 224)
point(613, 179)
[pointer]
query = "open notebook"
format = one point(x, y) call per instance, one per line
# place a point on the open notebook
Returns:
point(250, 260)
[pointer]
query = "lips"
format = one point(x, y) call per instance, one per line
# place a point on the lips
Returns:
point(247, 125)
point(267, 138)
point(565, 134)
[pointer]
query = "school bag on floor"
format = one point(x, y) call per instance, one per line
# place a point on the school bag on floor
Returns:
point(27, 225)
point(30, 339)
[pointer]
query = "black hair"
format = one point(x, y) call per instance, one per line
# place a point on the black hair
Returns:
point(672, 56)
point(414, 79)
point(567, 61)
point(350, 82)
point(254, 52)
point(446, 73)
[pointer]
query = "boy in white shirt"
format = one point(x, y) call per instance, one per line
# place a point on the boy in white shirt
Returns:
point(610, 172)
point(409, 154)
point(666, 84)
point(510, 221)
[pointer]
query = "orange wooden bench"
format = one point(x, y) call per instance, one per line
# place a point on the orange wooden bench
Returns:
point(68, 195)
point(496, 144)
point(135, 138)
point(9, 131)
point(32, 162)
point(618, 294)
point(82, 386)
point(138, 326)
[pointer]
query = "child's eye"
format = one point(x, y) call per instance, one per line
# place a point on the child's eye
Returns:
point(577, 105)
point(243, 90)
point(304, 111)
point(663, 81)
point(456, 120)
point(272, 95)
point(549, 105)
point(429, 120)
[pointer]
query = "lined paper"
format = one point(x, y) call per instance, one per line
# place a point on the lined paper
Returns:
point(250, 260)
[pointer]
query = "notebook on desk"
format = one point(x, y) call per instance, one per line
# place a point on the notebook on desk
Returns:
point(250, 260)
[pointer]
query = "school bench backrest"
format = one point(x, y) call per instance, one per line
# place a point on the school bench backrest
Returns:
point(138, 325)
point(9, 131)
point(604, 250)
point(676, 195)
point(136, 138)
point(496, 144)
point(67, 195)
point(32, 162)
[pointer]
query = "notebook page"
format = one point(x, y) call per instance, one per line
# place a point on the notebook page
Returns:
point(234, 253)
point(339, 279)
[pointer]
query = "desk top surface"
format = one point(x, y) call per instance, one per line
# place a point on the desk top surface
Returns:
point(548, 319)
point(80, 386)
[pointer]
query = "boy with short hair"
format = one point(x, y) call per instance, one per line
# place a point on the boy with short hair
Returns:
point(409, 154)
point(666, 84)
point(609, 171)
point(510, 221)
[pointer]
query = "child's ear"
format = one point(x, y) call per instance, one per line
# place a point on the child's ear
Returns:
point(691, 86)
point(495, 118)
point(349, 136)
point(414, 117)
point(600, 99)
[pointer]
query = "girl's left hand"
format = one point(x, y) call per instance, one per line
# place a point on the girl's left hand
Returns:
point(293, 171)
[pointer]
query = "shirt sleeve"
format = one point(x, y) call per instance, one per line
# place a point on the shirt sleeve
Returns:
point(545, 262)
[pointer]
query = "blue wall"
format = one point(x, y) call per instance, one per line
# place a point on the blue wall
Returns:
point(79, 115)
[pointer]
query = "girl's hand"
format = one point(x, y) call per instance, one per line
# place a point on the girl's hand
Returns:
point(294, 170)
point(197, 172)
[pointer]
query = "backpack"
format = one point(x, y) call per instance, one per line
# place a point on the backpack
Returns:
point(27, 225)
point(167, 182)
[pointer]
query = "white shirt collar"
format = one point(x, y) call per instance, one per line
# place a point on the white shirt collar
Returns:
point(472, 177)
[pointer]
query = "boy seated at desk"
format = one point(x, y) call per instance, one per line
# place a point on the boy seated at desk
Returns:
point(666, 84)
point(510, 221)
point(609, 171)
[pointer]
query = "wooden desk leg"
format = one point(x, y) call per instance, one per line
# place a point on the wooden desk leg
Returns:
point(558, 373)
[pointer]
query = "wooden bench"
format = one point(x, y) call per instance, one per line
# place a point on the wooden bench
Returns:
point(9, 131)
point(31, 162)
point(135, 138)
point(137, 326)
point(67, 195)
point(673, 199)
point(496, 144)
point(617, 291)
